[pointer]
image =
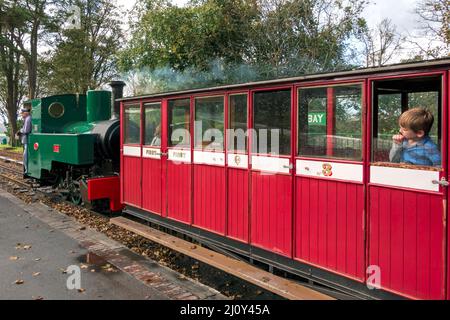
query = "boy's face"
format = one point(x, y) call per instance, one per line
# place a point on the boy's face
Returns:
point(410, 134)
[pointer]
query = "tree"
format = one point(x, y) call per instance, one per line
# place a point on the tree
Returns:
point(11, 64)
point(191, 36)
point(295, 37)
point(36, 22)
point(381, 44)
point(85, 57)
point(435, 26)
point(224, 41)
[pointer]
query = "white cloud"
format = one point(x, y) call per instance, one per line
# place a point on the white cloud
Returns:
point(401, 12)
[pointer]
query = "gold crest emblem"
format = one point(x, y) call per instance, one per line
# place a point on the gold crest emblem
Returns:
point(327, 170)
point(237, 160)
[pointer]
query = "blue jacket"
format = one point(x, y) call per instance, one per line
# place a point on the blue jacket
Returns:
point(424, 153)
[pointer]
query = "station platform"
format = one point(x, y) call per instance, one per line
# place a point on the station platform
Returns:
point(39, 248)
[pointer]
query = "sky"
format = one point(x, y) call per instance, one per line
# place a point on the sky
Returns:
point(401, 12)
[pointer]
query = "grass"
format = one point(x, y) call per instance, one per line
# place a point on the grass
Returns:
point(7, 147)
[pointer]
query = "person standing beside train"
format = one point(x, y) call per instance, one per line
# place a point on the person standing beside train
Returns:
point(413, 144)
point(23, 134)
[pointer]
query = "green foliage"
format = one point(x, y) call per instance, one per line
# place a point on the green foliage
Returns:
point(23, 26)
point(210, 42)
point(192, 36)
point(7, 125)
point(85, 58)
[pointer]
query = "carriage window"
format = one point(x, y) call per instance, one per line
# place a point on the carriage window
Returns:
point(209, 123)
point(272, 122)
point(132, 118)
point(390, 144)
point(237, 135)
point(330, 122)
point(179, 120)
point(152, 116)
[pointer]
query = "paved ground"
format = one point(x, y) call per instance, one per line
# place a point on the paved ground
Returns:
point(37, 245)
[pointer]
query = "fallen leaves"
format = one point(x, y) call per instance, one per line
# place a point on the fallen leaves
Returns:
point(35, 274)
point(19, 281)
point(13, 258)
point(138, 244)
point(108, 268)
point(81, 290)
point(19, 246)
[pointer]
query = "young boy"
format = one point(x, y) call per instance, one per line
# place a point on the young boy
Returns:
point(413, 145)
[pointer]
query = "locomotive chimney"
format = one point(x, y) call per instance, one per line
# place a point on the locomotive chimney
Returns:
point(117, 93)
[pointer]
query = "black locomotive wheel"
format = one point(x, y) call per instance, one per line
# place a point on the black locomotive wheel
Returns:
point(75, 198)
point(75, 194)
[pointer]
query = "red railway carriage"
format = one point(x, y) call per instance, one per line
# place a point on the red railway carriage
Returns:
point(307, 185)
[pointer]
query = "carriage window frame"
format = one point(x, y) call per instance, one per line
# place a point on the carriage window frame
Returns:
point(169, 121)
point(235, 148)
point(357, 83)
point(256, 143)
point(202, 147)
point(125, 123)
point(155, 105)
point(438, 122)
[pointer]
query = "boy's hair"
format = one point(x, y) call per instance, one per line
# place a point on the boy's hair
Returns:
point(417, 119)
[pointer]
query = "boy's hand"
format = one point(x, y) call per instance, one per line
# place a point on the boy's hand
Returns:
point(398, 138)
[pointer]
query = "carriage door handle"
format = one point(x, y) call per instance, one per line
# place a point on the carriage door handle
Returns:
point(443, 182)
point(290, 166)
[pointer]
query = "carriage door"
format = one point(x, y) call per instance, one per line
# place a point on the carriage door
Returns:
point(237, 167)
point(151, 158)
point(407, 193)
point(131, 155)
point(209, 164)
point(329, 201)
point(179, 188)
point(271, 180)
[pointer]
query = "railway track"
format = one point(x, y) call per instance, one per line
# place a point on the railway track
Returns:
point(10, 170)
point(10, 154)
